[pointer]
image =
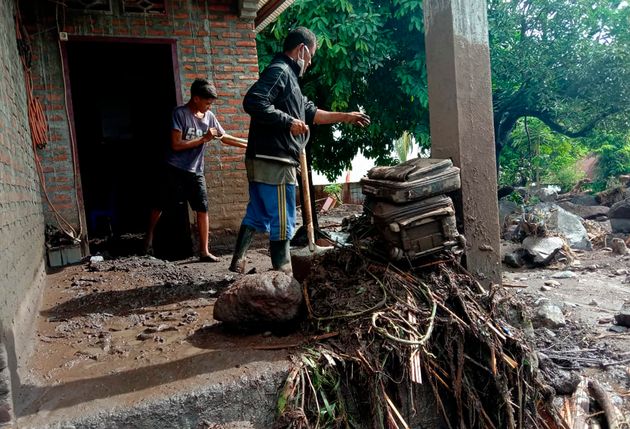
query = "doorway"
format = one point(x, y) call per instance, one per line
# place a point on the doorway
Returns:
point(123, 95)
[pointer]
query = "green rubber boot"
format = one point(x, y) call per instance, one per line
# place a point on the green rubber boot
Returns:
point(281, 256)
point(243, 241)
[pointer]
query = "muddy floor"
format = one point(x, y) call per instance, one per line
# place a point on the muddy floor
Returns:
point(132, 324)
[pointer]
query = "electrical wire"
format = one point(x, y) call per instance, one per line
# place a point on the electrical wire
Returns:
point(38, 124)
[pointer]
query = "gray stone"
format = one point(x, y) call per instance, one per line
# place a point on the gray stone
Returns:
point(549, 315)
point(620, 209)
point(552, 283)
point(623, 317)
point(618, 246)
point(586, 212)
point(542, 249)
point(272, 296)
point(584, 200)
point(564, 275)
point(506, 208)
point(545, 288)
point(514, 260)
point(620, 225)
point(561, 222)
point(545, 194)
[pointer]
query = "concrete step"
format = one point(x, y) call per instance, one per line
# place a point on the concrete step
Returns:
point(241, 397)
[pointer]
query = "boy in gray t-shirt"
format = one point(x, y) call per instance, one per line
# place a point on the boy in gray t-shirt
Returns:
point(194, 125)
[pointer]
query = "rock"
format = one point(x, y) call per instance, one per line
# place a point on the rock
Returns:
point(568, 225)
point(552, 283)
point(618, 329)
point(620, 216)
point(586, 212)
point(545, 194)
point(623, 318)
point(620, 225)
point(514, 259)
point(542, 249)
point(618, 246)
point(593, 303)
point(584, 200)
point(549, 315)
point(565, 382)
point(272, 296)
point(506, 208)
point(545, 288)
point(564, 275)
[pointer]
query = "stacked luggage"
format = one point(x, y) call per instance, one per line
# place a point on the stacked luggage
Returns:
point(409, 209)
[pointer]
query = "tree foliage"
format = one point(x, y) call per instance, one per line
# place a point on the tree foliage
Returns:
point(564, 62)
point(371, 57)
point(536, 154)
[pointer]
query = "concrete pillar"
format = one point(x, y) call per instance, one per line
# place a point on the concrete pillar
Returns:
point(460, 107)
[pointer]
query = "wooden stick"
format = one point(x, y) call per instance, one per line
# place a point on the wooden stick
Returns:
point(306, 194)
point(600, 395)
point(580, 403)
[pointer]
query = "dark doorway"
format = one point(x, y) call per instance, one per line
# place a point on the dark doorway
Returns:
point(123, 95)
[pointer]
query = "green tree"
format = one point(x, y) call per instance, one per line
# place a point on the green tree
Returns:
point(564, 62)
point(536, 154)
point(370, 56)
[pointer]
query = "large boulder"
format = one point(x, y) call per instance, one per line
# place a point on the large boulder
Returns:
point(568, 225)
point(269, 297)
point(619, 216)
point(586, 212)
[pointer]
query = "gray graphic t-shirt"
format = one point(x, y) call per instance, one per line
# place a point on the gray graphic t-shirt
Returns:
point(191, 127)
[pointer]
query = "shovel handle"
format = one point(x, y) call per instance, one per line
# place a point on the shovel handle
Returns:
point(306, 203)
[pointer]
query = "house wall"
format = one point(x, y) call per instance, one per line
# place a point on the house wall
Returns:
point(211, 42)
point(21, 214)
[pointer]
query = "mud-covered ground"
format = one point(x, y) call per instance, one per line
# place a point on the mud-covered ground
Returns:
point(590, 344)
point(140, 313)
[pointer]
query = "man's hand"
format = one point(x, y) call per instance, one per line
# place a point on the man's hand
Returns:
point(357, 118)
point(298, 127)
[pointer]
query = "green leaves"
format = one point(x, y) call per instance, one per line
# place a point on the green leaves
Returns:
point(370, 57)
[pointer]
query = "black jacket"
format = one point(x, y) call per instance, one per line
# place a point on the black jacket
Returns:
point(273, 102)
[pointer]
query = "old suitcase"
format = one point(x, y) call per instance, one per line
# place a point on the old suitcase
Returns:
point(412, 180)
point(417, 229)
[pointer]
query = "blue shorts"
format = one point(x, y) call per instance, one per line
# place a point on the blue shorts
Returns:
point(271, 209)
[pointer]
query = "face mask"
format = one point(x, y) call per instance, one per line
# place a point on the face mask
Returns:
point(301, 62)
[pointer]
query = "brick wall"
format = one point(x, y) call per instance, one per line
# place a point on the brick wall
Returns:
point(212, 42)
point(21, 215)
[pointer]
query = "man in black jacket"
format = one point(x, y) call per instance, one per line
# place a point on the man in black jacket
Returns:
point(279, 127)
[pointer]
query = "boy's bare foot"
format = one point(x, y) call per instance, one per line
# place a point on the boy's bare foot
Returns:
point(208, 258)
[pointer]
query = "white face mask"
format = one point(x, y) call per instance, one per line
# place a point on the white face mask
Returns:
point(301, 62)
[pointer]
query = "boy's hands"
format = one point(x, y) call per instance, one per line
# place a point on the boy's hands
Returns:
point(212, 133)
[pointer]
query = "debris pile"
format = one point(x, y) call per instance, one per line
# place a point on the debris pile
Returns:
point(398, 339)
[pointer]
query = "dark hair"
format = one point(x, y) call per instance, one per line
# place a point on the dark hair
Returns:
point(297, 36)
point(202, 88)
